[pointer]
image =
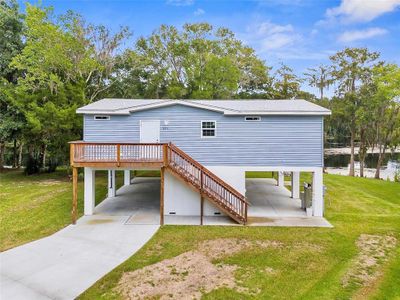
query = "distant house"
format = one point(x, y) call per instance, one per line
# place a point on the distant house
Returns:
point(203, 149)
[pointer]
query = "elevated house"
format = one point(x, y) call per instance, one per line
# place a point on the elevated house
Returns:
point(203, 148)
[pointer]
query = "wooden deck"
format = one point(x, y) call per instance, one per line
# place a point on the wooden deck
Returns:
point(109, 155)
point(166, 157)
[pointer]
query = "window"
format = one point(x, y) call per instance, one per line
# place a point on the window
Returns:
point(208, 128)
point(252, 118)
point(102, 117)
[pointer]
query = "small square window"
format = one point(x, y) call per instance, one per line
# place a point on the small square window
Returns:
point(252, 118)
point(208, 128)
point(101, 117)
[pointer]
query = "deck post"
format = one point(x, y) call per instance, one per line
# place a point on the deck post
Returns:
point(201, 198)
point(317, 193)
point(74, 211)
point(127, 177)
point(165, 155)
point(281, 179)
point(295, 185)
point(89, 191)
point(201, 209)
point(111, 183)
point(162, 195)
point(71, 153)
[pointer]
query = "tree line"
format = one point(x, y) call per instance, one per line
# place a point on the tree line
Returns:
point(52, 64)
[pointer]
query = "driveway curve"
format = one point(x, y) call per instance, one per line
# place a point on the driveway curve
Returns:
point(65, 264)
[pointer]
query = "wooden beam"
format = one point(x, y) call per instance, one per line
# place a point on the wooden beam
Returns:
point(165, 155)
point(71, 154)
point(109, 165)
point(118, 154)
point(74, 211)
point(162, 196)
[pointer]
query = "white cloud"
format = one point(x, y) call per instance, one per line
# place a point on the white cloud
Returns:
point(270, 36)
point(199, 12)
point(356, 35)
point(361, 10)
point(180, 2)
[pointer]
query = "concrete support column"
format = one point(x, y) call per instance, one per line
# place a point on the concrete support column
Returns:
point(281, 179)
point(89, 191)
point(111, 183)
point(295, 185)
point(318, 198)
point(127, 177)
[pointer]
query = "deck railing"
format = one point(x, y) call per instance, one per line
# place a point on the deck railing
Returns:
point(82, 152)
point(171, 157)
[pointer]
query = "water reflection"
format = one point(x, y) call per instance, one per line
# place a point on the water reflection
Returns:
point(342, 160)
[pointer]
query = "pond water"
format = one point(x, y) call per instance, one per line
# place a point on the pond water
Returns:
point(342, 160)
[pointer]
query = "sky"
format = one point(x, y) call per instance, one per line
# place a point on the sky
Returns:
point(301, 34)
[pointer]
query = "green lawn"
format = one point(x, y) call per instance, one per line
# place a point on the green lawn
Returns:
point(32, 207)
point(311, 264)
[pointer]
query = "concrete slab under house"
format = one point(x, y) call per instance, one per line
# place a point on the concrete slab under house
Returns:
point(203, 149)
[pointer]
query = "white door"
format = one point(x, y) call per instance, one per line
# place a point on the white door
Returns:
point(150, 131)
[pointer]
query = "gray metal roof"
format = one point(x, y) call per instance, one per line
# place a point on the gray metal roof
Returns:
point(228, 107)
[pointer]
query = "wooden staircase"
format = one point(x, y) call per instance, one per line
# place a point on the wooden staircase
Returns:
point(158, 155)
point(209, 185)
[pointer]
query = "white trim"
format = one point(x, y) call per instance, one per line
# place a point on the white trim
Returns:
point(270, 168)
point(101, 117)
point(208, 136)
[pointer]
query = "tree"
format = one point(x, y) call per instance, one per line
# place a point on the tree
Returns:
point(319, 77)
point(365, 118)
point(351, 67)
point(187, 63)
point(11, 25)
point(387, 80)
point(220, 80)
point(11, 121)
point(286, 84)
point(65, 64)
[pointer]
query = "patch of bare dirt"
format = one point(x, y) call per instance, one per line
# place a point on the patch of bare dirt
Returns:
point(375, 250)
point(189, 275)
point(218, 248)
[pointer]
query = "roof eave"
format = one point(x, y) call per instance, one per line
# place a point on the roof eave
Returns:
point(100, 112)
point(277, 113)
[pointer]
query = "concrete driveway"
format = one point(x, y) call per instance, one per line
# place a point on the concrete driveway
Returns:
point(68, 262)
